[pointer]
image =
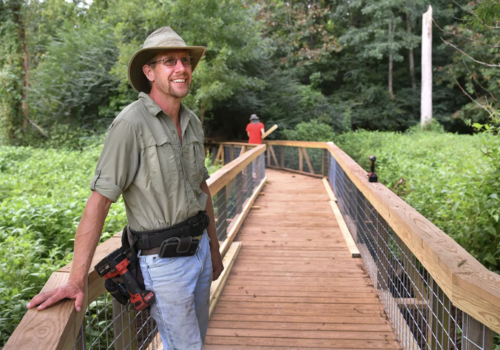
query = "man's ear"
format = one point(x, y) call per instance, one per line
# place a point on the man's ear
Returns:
point(148, 72)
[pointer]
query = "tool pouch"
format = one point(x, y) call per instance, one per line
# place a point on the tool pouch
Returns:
point(178, 246)
point(128, 242)
point(116, 286)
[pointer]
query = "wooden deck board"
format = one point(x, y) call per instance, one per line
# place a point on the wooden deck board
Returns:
point(294, 284)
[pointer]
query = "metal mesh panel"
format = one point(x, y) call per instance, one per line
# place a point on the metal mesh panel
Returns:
point(422, 316)
point(108, 325)
point(228, 202)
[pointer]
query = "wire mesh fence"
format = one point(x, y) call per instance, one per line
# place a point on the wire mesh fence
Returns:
point(229, 201)
point(110, 325)
point(421, 314)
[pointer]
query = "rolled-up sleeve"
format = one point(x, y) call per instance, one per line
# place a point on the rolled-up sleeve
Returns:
point(118, 162)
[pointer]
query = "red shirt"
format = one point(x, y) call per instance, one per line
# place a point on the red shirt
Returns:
point(255, 132)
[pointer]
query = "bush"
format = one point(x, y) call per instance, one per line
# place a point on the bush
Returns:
point(452, 180)
point(310, 131)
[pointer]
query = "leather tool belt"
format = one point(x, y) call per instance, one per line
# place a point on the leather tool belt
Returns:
point(179, 240)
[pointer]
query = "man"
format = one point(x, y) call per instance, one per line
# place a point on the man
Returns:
point(255, 130)
point(153, 155)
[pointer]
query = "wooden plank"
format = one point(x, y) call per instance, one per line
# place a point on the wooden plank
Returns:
point(219, 154)
point(329, 190)
point(353, 249)
point(268, 155)
point(273, 155)
point(217, 341)
point(61, 323)
point(318, 319)
point(282, 157)
point(301, 161)
point(308, 161)
point(303, 326)
point(269, 131)
point(296, 171)
point(217, 286)
point(308, 144)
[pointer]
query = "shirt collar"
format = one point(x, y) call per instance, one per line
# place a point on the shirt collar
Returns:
point(154, 109)
point(150, 104)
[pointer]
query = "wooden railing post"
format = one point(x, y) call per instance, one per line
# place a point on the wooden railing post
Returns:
point(325, 164)
point(282, 156)
point(301, 160)
point(473, 332)
point(222, 214)
point(124, 327)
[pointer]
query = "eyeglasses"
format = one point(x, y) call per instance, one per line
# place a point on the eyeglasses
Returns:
point(171, 62)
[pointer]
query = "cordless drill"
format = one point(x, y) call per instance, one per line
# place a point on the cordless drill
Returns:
point(114, 266)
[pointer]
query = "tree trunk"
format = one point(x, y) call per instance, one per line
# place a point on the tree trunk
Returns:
point(25, 61)
point(410, 56)
point(426, 96)
point(391, 92)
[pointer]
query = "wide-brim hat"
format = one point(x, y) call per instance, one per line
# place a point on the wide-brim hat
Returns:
point(160, 40)
point(254, 117)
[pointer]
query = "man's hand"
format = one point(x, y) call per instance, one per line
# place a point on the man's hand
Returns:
point(86, 238)
point(68, 291)
point(217, 265)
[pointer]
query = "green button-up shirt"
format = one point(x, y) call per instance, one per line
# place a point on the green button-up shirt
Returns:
point(144, 161)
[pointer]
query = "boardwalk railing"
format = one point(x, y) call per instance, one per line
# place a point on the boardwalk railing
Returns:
point(436, 295)
point(107, 324)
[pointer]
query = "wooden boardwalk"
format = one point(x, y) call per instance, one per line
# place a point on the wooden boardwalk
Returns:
point(294, 284)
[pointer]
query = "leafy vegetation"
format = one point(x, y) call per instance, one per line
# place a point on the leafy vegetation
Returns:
point(347, 64)
point(452, 180)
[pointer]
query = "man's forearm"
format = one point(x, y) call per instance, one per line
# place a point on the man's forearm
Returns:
point(211, 230)
point(87, 236)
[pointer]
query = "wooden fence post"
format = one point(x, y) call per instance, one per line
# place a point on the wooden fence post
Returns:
point(123, 327)
point(282, 156)
point(301, 160)
point(474, 332)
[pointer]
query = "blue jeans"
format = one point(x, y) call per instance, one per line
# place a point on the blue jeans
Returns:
point(182, 289)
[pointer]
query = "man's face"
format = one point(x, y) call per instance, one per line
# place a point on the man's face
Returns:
point(175, 80)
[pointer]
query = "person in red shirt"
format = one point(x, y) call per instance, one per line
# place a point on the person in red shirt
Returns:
point(255, 130)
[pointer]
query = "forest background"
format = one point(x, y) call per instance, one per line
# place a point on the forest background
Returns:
point(342, 70)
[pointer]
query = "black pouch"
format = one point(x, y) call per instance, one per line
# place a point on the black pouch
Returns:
point(128, 242)
point(178, 246)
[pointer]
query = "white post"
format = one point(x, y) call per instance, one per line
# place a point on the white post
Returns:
point(426, 97)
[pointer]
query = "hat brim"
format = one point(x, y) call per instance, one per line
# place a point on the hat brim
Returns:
point(136, 77)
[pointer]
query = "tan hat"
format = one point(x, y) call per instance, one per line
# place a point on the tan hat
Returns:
point(162, 39)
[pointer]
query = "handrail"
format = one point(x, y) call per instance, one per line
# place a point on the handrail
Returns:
point(57, 327)
point(467, 283)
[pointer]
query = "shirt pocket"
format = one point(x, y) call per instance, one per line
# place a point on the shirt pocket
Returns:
point(194, 156)
point(163, 169)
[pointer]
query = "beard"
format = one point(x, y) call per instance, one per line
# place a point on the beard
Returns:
point(178, 93)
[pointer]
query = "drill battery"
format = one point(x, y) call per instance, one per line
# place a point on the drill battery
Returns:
point(121, 283)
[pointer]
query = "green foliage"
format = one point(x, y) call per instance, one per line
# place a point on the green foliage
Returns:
point(73, 81)
point(310, 131)
point(452, 180)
